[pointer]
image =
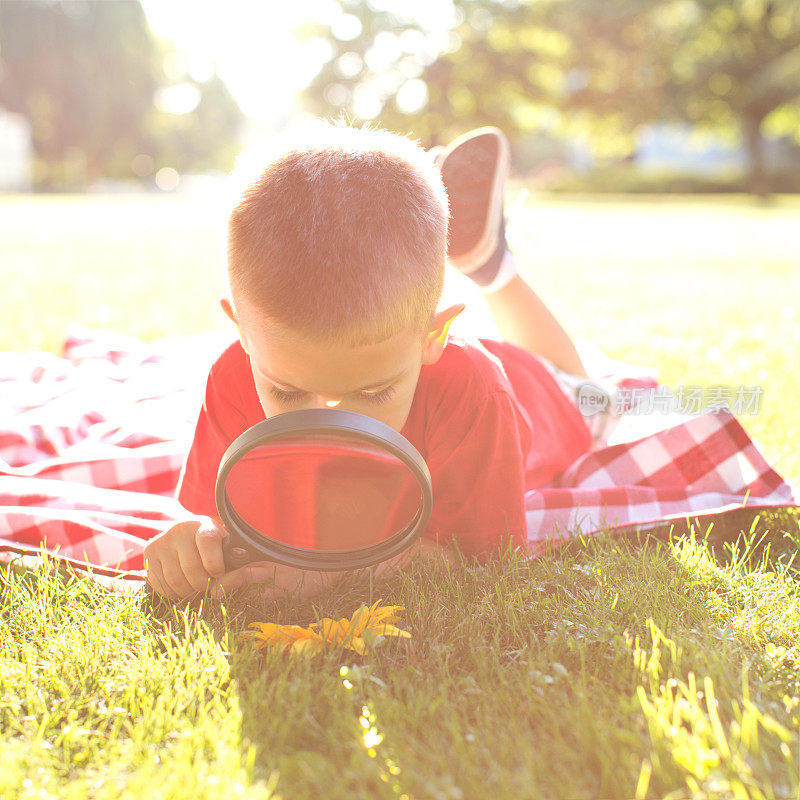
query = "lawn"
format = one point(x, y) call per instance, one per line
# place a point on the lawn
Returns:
point(614, 668)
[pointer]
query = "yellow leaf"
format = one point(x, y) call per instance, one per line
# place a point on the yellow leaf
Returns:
point(280, 636)
point(331, 630)
point(390, 630)
point(359, 620)
point(358, 645)
point(389, 614)
point(308, 647)
point(374, 620)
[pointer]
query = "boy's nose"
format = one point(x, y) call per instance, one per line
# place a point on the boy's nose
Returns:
point(332, 403)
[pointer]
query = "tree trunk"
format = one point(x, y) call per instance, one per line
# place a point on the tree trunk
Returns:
point(757, 182)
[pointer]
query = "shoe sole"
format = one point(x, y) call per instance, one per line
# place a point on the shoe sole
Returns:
point(474, 168)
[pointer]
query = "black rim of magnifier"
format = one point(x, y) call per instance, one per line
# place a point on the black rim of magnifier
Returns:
point(325, 422)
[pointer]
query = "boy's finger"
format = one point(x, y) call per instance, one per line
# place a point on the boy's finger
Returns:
point(227, 583)
point(175, 579)
point(208, 540)
point(251, 573)
point(194, 572)
point(155, 576)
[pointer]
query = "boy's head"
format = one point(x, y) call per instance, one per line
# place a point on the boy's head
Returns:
point(336, 256)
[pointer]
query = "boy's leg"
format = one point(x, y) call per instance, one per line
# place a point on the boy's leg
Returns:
point(474, 168)
point(523, 319)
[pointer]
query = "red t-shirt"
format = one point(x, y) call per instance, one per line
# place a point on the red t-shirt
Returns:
point(488, 418)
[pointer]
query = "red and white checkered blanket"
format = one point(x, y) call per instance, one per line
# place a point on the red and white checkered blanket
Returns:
point(91, 446)
point(700, 465)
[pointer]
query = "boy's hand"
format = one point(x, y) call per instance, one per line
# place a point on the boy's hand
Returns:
point(181, 561)
point(307, 583)
point(278, 579)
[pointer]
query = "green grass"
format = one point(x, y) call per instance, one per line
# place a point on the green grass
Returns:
point(613, 668)
point(588, 673)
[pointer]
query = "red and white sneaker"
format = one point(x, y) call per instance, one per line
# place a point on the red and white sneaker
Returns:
point(474, 169)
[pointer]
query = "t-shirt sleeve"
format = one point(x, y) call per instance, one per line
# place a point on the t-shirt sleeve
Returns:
point(478, 478)
point(220, 421)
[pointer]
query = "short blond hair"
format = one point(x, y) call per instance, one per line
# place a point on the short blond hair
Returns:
point(343, 237)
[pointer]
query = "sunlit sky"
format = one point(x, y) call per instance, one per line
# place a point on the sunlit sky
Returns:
point(252, 43)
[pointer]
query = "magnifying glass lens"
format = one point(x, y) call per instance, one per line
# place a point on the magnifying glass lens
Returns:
point(323, 492)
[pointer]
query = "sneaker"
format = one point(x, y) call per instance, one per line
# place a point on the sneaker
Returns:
point(474, 168)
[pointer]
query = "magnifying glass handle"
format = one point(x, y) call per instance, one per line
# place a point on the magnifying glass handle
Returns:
point(233, 555)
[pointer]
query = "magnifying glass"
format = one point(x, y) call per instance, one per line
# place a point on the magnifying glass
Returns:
point(321, 489)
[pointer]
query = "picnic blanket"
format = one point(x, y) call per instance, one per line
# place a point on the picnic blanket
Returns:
point(92, 444)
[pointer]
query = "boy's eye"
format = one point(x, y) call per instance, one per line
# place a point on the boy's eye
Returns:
point(287, 398)
point(378, 397)
point(291, 398)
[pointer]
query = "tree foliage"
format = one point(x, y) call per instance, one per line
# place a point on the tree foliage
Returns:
point(370, 58)
point(593, 68)
point(86, 75)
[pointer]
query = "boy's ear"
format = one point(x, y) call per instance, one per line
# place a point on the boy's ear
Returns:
point(436, 339)
point(227, 307)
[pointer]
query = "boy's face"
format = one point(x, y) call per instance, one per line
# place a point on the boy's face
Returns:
point(292, 372)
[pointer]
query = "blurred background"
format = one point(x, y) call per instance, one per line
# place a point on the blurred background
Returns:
point(630, 95)
point(655, 162)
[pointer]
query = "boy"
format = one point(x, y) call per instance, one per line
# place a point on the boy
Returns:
point(336, 258)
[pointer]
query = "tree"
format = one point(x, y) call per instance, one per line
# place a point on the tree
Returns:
point(86, 74)
point(737, 64)
point(373, 52)
point(593, 67)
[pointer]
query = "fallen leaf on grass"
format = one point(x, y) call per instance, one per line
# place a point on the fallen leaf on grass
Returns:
point(359, 633)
